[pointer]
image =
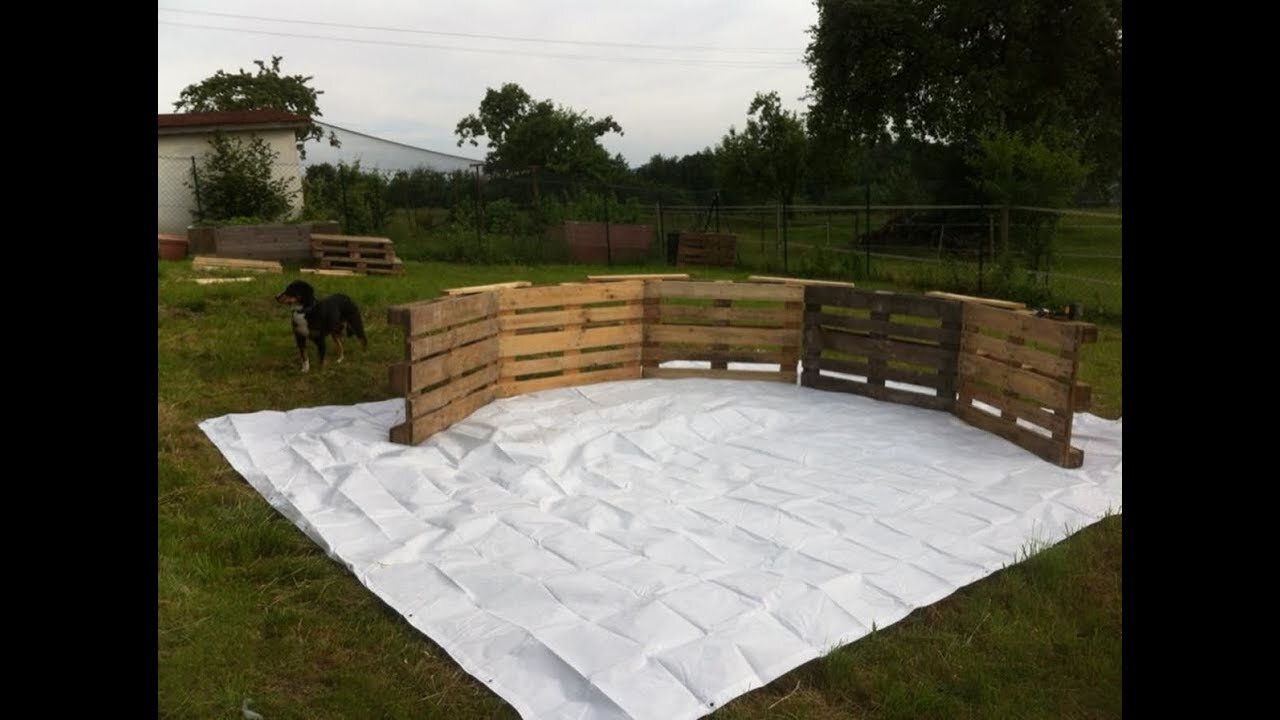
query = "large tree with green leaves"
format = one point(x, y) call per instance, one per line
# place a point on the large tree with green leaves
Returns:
point(768, 156)
point(951, 71)
point(267, 89)
point(524, 133)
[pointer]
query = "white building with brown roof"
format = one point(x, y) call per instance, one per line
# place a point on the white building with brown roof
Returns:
point(183, 139)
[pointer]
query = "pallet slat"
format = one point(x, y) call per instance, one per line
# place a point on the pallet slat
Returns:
point(425, 346)
point(726, 335)
point(410, 378)
point(884, 349)
point(694, 290)
point(884, 302)
point(574, 316)
point(415, 431)
point(573, 339)
point(517, 368)
point(560, 296)
point(433, 400)
point(519, 387)
point(1052, 393)
point(785, 376)
point(430, 315)
point(204, 262)
point(879, 392)
point(942, 335)
point(934, 380)
point(737, 316)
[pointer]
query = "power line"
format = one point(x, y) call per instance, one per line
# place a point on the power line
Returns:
point(388, 43)
point(506, 38)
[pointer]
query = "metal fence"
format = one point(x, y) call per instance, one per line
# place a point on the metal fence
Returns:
point(1053, 256)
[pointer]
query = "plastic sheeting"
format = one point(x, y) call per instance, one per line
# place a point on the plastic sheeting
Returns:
point(655, 548)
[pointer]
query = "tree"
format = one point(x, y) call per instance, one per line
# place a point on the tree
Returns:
point(686, 177)
point(357, 196)
point(769, 154)
point(524, 134)
point(1014, 171)
point(951, 70)
point(268, 89)
point(236, 181)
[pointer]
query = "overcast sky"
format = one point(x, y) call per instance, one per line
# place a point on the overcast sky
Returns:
point(675, 74)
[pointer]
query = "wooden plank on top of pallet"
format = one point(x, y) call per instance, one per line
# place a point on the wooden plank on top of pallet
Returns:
point(1066, 335)
point(797, 281)
point(201, 262)
point(471, 290)
point(993, 302)
point(639, 276)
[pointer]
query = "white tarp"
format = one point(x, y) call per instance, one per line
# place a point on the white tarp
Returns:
point(655, 548)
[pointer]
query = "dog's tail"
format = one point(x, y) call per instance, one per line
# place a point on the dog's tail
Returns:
point(355, 325)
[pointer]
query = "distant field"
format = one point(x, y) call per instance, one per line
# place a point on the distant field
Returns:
point(1085, 268)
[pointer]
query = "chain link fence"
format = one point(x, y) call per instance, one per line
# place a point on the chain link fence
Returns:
point(1045, 257)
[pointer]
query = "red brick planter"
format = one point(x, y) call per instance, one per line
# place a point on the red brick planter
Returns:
point(172, 247)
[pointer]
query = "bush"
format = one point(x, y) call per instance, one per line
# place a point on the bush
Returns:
point(235, 181)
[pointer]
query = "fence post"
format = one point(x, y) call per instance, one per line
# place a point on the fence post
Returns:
point(785, 268)
point(777, 236)
point(608, 246)
point(980, 253)
point(342, 187)
point(866, 235)
point(195, 180)
point(662, 235)
point(853, 243)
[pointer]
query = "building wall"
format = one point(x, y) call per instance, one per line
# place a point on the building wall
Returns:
point(177, 201)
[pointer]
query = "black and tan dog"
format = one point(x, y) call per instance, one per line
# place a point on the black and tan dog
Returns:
point(334, 316)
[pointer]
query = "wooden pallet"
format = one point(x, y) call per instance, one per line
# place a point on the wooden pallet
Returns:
point(355, 253)
point(698, 248)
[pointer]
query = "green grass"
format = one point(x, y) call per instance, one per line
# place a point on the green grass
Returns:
point(250, 607)
point(1086, 265)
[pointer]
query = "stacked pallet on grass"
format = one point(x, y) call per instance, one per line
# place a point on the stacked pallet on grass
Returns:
point(357, 253)
point(704, 248)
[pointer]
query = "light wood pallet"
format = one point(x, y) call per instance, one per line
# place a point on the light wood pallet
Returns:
point(356, 253)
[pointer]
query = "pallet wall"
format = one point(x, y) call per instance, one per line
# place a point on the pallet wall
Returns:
point(450, 366)
point(1017, 379)
point(563, 335)
point(888, 346)
point(1004, 371)
point(720, 323)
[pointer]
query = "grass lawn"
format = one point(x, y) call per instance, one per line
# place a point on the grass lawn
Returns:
point(250, 607)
